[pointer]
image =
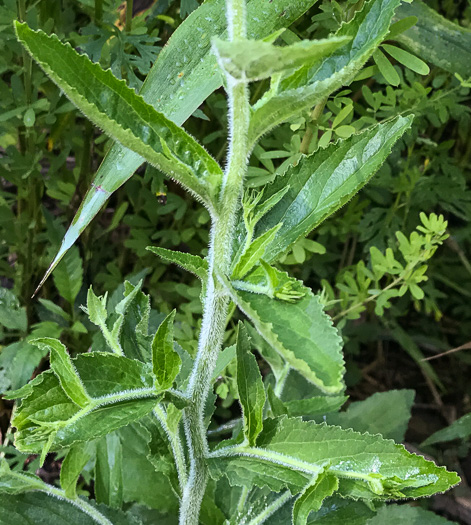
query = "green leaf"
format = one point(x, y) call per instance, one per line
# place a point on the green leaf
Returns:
point(12, 482)
point(435, 39)
point(309, 85)
point(17, 364)
point(401, 514)
point(109, 471)
point(401, 25)
point(315, 406)
point(77, 457)
point(253, 253)
point(313, 496)
point(459, 429)
point(386, 68)
point(323, 182)
point(98, 314)
point(368, 467)
point(177, 88)
point(124, 115)
point(406, 59)
point(338, 511)
point(250, 387)
point(149, 467)
point(12, 316)
point(166, 363)
point(255, 60)
point(386, 413)
point(191, 263)
point(96, 308)
point(37, 507)
point(134, 337)
point(62, 366)
point(299, 331)
point(121, 391)
point(68, 276)
point(224, 358)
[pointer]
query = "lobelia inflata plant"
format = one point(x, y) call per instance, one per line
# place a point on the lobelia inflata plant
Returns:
point(277, 466)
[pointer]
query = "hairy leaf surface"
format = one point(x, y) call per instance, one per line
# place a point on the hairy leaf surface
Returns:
point(309, 85)
point(323, 182)
point(184, 75)
point(313, 496)
point(191, 263)
point(121, 391)
point(123, 115)
point(367, 466)
point(62, 366)
point(300, 331)
point(256, 60)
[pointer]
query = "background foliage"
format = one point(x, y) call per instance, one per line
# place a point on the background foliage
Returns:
point(397, 295)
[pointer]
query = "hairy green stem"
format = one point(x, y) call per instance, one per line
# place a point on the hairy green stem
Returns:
point(175, 444)
point(216, 301)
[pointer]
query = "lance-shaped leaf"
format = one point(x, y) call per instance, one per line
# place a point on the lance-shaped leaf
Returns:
point(368, 467)
point(313, 496)
point(324, 181)
point(299, 331)
point(166, 363)
point(121, 391)
point(184, 75)
point(191, 263)
point(256, 60)
point(254, 252)
point(77, 457)
point(310, 84)
point(250, 387)
point(436, 39)
point(124, 115)
point(109, 471)
point(62, 365)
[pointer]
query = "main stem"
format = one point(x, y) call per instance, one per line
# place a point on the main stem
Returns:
point(216, 300)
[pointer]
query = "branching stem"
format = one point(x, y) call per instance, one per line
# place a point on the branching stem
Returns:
point(216, 301)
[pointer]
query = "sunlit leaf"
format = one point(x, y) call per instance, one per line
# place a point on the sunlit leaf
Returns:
point(324, 181)
point(299, 331)
point(256, 60)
